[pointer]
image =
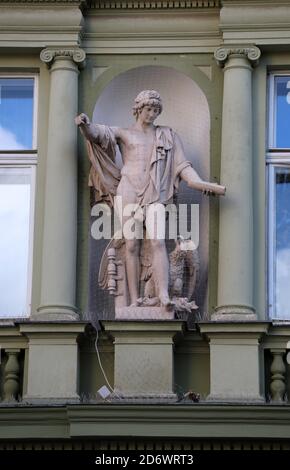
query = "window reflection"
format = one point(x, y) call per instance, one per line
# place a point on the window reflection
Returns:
point(15, 189)
point(282, 111)
point(16, 113)
point(282, 243)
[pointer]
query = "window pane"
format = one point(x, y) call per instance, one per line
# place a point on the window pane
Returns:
point(16, 113)
point(282, 244)
point(282, 112)
point(15, 189)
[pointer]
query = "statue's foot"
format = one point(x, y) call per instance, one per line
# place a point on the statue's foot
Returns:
point(146, 302)
point(151, 301)
point(137, 303)
point(183, 305)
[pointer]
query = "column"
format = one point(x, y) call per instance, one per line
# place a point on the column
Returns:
point(235, 276)
point(58, 281)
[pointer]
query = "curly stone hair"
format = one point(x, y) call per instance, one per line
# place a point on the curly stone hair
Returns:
point(145, 98)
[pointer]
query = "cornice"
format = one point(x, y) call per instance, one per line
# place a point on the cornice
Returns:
point(44, 2)
point(177, 421)
point(222, 54)
point(152, 5)
point(231, 3)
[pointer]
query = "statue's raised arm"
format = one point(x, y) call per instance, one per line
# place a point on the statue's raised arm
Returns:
point(95, 133)
point(104, 175)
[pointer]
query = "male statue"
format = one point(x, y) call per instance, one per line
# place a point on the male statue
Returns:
point(153, 165)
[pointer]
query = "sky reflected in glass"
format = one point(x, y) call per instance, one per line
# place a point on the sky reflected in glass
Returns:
point(16, 113)
point(14, 241)
point(282, 85)
point(282, 268)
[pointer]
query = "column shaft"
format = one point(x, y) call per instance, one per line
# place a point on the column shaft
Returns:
point(58, 282)
point(235, 278)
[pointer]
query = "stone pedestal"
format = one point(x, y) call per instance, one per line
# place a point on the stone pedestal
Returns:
point(52, 366)
point(236, 361)
point(144, 358)
point(143, 313)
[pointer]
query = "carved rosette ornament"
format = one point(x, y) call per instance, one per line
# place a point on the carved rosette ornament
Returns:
point(252, 53)
point(76, 55)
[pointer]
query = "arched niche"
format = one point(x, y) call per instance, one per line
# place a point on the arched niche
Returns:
point(186, 110)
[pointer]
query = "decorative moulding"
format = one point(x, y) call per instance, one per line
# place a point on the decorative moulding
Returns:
point(126, 5)
point(44, 2)
point(153, 5)
point(251, 2)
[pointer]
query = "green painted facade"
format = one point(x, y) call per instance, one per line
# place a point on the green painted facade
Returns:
point(49, 372)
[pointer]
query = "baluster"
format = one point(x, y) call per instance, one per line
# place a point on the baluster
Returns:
point(11, 375)
point(278, 369)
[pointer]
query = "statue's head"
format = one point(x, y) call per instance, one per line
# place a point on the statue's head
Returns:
point(147, 98)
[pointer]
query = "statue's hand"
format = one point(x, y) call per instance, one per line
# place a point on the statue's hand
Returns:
point(82, 119)
point(212, 189)
point(208, 192)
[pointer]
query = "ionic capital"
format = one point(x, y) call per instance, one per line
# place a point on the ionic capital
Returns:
point(75, 55)
point(222, 54)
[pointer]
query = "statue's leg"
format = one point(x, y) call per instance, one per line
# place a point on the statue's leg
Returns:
point(133, 269)
point(161, 270)
point(132, 261)
point(155, 228)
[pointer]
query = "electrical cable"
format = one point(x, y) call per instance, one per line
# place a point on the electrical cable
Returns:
point(101, 366)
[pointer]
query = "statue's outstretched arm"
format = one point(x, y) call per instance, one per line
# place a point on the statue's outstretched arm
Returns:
point(191, 177)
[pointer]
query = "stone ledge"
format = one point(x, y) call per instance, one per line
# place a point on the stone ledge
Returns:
point(252, 328)
point(136, 420)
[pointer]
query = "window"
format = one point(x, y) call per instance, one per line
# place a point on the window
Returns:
point(278, 162)
point(18, 159)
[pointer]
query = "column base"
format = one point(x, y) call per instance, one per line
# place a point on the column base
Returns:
point(234, 313)
point(56, 313)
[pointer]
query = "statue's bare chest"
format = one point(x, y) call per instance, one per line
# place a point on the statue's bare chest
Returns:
point(138, 145)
